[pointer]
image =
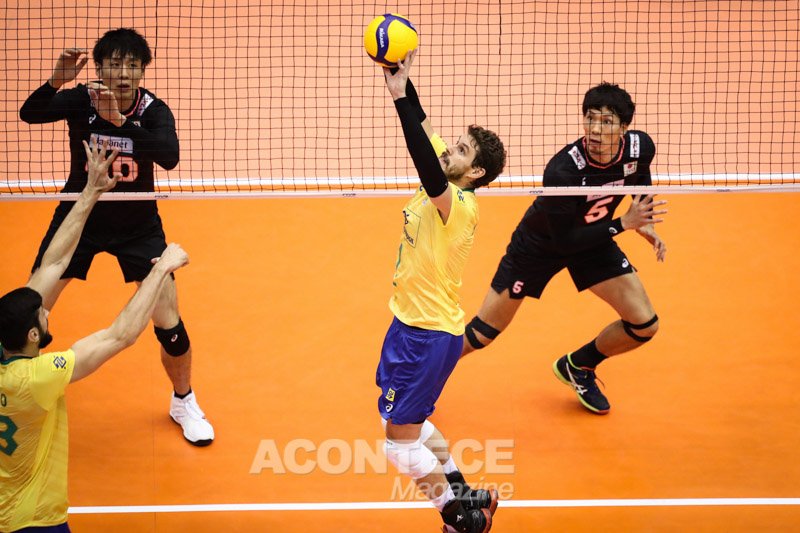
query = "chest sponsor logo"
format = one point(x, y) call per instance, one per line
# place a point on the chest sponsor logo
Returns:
point(617, 183)
point(92, 118)
point(123, 144)
point(575, 153)
point(629, 168)
point(411, 227)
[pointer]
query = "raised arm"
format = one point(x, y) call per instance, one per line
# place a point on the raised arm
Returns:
point(91, 352)
point(59, 253)
point(45, 104)
point(423, 155)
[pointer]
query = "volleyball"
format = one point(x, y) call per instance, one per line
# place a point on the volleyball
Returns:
point(388, 38)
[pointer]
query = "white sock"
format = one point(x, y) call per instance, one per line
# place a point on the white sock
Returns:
point(447, 496)
point(450, 466)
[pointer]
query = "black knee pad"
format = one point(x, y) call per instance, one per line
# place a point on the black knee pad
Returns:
point(628, 327)
point(174, 340)
point(476, 324)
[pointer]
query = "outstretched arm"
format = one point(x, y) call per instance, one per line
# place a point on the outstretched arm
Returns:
point(59, 252)
point(91, 352)
point(422, 153)
point(569, 238)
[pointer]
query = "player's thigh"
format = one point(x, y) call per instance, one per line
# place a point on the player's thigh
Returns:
point(498, 308)
point(520, 273)
point(165, 313)
point(627, 295)
point(135, 253)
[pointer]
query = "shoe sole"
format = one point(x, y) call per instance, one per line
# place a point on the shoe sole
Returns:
point(488, 516)
point(567, 382)
point(198, 443)
point(494, 499)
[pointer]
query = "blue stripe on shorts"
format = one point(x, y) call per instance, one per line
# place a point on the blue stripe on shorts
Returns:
point(415, 364)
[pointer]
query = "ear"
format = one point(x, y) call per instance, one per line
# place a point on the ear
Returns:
point(33, 335)
point(476, 172)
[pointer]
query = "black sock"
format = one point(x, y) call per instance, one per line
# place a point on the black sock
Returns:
point(457, 483)
point(181, 396)
point(455, 516)
point(587, 356)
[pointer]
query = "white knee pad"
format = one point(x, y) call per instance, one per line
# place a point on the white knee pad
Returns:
point(411, 458)
point(427, 431)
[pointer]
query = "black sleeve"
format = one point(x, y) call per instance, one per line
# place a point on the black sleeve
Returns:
point(649, 149)
point(422, 153)
point(413, 97)
point(157, 139)
point(569, 238)
point(44, 105)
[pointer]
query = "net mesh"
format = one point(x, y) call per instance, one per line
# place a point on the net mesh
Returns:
point(274, 97)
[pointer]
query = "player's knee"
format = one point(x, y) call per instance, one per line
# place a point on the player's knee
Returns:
point(174, 340)
point(411, 458)
point(641, 332)
point(476, 325)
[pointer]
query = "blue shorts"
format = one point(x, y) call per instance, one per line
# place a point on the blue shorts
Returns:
point(415, 364)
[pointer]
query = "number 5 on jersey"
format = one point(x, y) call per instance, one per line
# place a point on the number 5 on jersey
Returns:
point(598, 210)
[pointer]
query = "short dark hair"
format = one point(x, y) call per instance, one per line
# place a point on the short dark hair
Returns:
point(490, 156)
point(19, 312)
point(613, 97)
point(122, 42)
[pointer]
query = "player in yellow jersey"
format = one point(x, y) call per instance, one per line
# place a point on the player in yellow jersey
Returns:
point(33, 414)
point(424, 340)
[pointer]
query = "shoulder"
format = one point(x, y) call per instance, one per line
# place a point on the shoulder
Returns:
point(640, 145)
point(149, 102)
point(55, 361)
point(464, 205)
point(567, 164)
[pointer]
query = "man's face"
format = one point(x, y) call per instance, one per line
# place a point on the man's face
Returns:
point(122, 75)
point(603, 132)
point(458, 159)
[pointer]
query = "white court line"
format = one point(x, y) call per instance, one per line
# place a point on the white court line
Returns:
point(369, 506)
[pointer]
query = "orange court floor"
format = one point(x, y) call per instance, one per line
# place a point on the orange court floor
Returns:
point(285, 301)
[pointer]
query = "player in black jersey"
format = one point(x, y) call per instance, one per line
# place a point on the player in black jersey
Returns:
point(131, 119)
point(577, 233)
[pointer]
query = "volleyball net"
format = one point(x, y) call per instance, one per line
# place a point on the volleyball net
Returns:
point(279, 97)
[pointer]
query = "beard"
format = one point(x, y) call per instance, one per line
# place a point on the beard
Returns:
point(46, 339)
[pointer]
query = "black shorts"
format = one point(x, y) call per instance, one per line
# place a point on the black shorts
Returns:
point(525, 270)
point(133, 248)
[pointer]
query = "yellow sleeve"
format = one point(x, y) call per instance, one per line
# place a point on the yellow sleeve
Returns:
point(439, 146)
point(51, 373)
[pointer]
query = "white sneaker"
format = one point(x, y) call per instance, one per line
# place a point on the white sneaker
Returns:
point(186, 413)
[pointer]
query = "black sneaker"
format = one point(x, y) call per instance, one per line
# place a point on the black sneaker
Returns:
point(480, 499)
point(458, 520)
point(584, 383)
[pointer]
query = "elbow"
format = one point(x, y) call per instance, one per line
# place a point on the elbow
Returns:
point(168, 163)
point(26, 116)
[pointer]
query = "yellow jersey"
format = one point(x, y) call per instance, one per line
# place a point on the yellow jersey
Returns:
point(431, 261)
point(34, 440)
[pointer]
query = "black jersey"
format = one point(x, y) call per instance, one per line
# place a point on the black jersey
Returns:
point(148, 137)
point(569, 224)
